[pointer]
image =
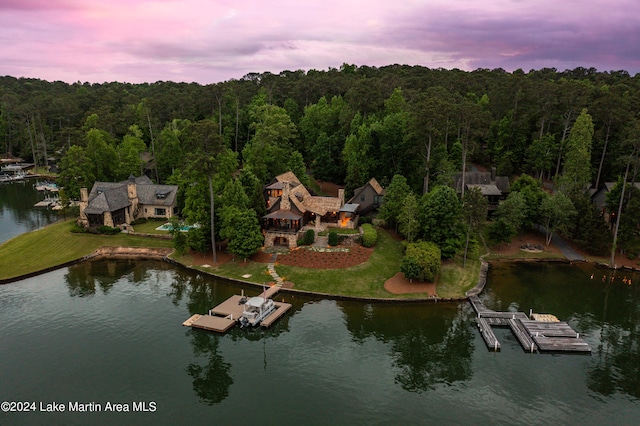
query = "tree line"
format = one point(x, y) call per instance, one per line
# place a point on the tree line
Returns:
point(345, 124)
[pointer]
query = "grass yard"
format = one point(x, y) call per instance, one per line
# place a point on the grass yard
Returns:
point(364, 280)
point(149, 227)
point(55, 245)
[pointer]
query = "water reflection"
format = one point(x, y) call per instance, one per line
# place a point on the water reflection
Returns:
point(601, 304)
point(211, 379)
point(84, 278)
point(429, 345)
point(618, 352)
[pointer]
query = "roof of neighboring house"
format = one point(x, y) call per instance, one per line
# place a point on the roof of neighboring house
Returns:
point(486, 189)
point(373, 183)
point(481, 178)
point(599, 196)
point(112, 196)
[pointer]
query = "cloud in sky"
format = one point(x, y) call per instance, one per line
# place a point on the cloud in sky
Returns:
point(214, 40)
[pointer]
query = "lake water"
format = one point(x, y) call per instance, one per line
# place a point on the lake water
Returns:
point(110, 332)
point(17, 214)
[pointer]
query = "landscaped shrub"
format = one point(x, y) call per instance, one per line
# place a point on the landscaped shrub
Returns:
point(365, 219)
point(333, 238)
point(369, 236)
point(107, 230)
point(421, 261)
point(309, 237)
point(139, 221)
point(77, 229)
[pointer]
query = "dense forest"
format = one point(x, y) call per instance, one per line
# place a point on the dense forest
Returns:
point(345, 125)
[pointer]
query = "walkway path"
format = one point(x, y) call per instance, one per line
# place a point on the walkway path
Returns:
point(564, 247)
point(272, 270)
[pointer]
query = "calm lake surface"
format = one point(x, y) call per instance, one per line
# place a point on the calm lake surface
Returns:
point(110, 332)
point(17, 214)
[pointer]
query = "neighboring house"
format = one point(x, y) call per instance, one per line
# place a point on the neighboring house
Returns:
point(290, 207)
point(494, 188)
point(368, 197)
point(599, 197)
point(119, 204)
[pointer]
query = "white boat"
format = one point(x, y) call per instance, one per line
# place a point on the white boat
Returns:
point(255, 310)
point(4, 177)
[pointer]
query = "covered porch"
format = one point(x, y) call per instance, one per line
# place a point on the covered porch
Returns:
point(282, 221)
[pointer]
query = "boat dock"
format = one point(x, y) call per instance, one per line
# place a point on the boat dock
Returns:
point(225, 315)
point(543, 333)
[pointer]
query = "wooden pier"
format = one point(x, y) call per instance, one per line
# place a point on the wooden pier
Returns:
point(544, 333)
point(224, 316)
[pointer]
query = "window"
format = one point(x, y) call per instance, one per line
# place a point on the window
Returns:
point(362, 197)
point(161, 212)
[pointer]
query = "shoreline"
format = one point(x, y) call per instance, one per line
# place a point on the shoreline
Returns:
point(162, 254)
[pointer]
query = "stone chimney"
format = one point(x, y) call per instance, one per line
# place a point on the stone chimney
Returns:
point(285, 201)
point(84, 203)
point(341, 196)
point(132, 192)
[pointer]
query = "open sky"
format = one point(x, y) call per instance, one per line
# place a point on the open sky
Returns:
point(208, 41)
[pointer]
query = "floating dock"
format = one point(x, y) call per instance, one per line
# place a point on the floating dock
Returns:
point(543, 333)
point(224, 316)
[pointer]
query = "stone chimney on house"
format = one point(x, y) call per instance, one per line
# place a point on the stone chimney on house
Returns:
point(341, 196)
point(132, 192)
point(84, 203)
point(285, 201)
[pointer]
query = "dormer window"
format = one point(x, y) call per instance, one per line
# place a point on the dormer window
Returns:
point(162, 195)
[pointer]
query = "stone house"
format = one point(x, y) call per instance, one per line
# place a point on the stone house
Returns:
point(291, 207)
point(117, 204)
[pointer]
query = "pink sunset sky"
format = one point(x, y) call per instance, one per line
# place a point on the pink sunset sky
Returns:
point(209, 41)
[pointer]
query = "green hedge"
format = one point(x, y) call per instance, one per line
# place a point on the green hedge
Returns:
point(369, 236)
point(421, 261)
point(333, 238)
point(308, 239)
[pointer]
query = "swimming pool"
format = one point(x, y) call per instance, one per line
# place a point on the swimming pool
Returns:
point(183, 228)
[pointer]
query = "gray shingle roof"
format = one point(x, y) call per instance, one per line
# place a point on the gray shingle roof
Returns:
point(112, 196)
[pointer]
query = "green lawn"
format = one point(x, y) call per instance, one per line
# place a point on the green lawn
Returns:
point(150, 227)
point(364, 280)
point(55, 245)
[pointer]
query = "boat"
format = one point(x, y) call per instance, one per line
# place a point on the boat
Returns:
point(255, 310)
point(12, 177)
point(46, 186)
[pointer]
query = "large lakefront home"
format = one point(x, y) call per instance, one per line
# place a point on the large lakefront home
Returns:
point(291, 207)
point(120, 203)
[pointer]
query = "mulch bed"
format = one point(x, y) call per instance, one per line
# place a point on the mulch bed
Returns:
point(306, 258)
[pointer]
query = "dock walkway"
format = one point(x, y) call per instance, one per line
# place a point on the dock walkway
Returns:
point(543, 336)
point(225, 315)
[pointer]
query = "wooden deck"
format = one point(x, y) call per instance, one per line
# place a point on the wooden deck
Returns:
point(545, 333)
point(281, 309)
point(224, 316)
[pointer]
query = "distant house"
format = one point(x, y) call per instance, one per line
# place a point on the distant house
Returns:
point(494, 188)
point(599, 197)
point(291, 208)
point(118, 204)
point(368, 197)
